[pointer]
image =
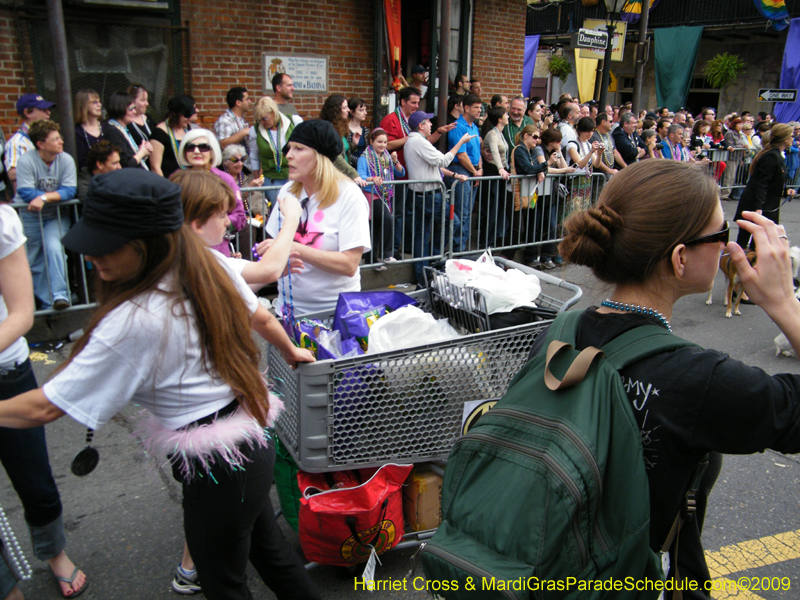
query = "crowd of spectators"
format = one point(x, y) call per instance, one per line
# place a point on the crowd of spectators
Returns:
point(500, 138)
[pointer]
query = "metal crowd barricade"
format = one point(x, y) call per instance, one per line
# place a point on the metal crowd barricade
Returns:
point(494, 222)
point(256, 201)
point(730, 167)
point(75, 267)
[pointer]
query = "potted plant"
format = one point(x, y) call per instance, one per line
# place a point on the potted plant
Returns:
point(723, 69)
point(558, 66)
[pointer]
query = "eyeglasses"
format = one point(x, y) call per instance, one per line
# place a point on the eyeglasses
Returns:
point(202, 147)
point(234, 160)
point(713, 238)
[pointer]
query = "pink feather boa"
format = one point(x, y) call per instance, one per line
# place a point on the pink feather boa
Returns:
point(199, 448)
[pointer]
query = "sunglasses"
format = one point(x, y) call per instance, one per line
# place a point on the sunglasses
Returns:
point(536, 137)
point(202, 147)
point(235, 160)
point(713, 238)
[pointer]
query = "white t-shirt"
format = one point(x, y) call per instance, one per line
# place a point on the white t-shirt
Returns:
point(568, 134)
point(342, 226)
point(144, 351)
point(11, 238)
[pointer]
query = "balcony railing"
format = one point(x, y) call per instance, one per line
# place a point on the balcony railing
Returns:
point(565, 17)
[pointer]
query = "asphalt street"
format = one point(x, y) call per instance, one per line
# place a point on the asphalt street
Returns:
point(124, 521)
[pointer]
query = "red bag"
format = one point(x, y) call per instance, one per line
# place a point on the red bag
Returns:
point(341, 517)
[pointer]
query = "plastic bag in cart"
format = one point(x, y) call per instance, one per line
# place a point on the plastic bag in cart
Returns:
point(503, 290)
point(407, 327)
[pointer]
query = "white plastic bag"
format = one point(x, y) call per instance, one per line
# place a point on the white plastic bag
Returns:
point(503, 290)
point(407, 327)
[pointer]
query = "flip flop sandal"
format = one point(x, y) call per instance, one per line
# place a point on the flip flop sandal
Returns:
point(69, 581)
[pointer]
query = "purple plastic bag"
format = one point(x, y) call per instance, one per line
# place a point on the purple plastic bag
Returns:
point(354, 308)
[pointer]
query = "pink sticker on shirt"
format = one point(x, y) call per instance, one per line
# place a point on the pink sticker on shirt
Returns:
point(318, 216)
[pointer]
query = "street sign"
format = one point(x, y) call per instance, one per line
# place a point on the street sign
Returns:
point(617, 44)
point(767, 95)
point(589, 38)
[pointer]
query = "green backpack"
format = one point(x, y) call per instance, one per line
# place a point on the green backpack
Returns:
point(547, 495)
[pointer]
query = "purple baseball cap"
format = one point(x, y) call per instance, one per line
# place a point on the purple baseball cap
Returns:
point(418, 117)
point(32, 101)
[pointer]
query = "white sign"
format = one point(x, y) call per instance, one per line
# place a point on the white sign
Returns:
point(765, 95)
point(309, 72)
point(588, 38)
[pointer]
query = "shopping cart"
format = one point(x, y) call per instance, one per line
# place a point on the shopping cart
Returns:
point(404, 406)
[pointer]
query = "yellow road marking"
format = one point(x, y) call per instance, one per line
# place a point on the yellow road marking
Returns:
point(753, 554)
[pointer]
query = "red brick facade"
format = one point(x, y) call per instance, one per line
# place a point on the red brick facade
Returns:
point(227, 40)
point(498, 46)
point(12, 82)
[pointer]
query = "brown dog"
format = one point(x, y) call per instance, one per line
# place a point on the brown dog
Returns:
point(734, 283)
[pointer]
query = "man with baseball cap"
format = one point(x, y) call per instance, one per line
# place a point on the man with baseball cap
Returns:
point(425, 162)
point(31, 107)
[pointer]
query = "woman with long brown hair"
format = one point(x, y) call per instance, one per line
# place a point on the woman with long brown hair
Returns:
point(172, 333)
point(767, 183)
point(336, 111)
point(656, 235)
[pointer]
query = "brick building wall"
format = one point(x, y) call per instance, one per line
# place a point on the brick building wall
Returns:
point(227, 41)
point(12, 82)
point(498, 46)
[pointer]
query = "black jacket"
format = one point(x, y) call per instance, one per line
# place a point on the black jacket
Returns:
point(766, 186)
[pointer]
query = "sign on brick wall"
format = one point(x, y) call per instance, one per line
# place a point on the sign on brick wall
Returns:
point(309, 72)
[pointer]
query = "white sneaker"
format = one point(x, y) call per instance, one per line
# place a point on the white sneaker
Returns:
point(390, 259)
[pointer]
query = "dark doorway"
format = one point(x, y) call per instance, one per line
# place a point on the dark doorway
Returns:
point(696, 101)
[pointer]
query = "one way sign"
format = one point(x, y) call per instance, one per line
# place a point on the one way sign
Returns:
point(777, 95)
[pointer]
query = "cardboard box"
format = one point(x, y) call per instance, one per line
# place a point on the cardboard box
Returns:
point(422, 495)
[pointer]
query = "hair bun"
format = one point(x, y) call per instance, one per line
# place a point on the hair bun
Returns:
point(589, 234)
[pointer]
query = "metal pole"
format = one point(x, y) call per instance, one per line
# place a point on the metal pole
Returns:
point(444, 63)
point(55, 20)
point(611, 28)
point(640, 51)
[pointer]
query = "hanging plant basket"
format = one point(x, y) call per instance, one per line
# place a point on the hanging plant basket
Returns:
point(558, 66)
point(723, 69)
point(590, 2)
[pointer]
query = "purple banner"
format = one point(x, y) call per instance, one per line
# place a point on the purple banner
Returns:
point(786, 112)
point(529, 62)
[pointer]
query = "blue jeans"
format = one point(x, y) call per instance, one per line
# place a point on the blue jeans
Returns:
point(23, 453)
point(272, 195)
point(46, 257)
point(428, 228)
point(402, 212)
point(463, 199)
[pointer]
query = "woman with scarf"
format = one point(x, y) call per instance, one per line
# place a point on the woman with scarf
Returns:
point(268, 137)
point(121, 110)
point(377, 167)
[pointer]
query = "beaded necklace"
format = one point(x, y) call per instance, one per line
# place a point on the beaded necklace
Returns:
point(131, 141)
point(11, 550)
point(403, 122)
point(275, 146)
point(608, 149)
point(677, 151)
point(140, 132)
point(86, 137)
point(174, 143)
point(379, 166)
point(643, 310)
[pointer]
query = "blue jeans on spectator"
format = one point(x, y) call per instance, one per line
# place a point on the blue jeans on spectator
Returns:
point(272, 195)
point(463, 199)
point(44, 244)
point(429, 227)
point(403, 212)
point(23, 453)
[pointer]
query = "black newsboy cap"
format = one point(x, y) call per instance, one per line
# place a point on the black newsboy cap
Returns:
point(319, 135)
point(124, 205)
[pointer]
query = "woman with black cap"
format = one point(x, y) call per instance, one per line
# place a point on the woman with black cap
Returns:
point(168, 134)
point(159, 338)
point(334, 226)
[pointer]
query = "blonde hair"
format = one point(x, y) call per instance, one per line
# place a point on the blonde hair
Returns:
point(327, 178)
point(265, 105)
point(83, 100)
